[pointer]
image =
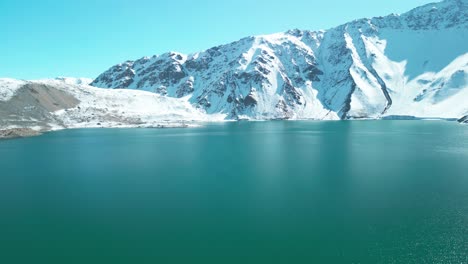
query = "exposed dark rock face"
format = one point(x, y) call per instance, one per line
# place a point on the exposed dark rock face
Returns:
point(463, 120)
point(249, 101)
point(313, 73)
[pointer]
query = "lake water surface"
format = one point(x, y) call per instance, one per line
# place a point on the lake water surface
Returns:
point(260, 192)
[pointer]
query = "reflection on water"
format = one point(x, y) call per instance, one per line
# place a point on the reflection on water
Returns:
point(276, 192)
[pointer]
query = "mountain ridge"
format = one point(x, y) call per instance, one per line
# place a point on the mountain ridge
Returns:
point(355, 70)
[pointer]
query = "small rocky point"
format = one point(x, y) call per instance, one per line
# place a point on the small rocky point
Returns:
point(463, 120)
point(18, 132)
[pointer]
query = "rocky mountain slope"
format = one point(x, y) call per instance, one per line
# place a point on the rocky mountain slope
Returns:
point(414, 64)
point(66, 103)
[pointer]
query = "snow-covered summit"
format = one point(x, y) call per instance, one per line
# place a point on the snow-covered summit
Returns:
point(409, 64)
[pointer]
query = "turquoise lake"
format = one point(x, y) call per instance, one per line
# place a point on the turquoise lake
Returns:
point(247, 192)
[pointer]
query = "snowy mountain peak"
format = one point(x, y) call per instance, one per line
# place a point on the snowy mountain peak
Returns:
point(446, 14)
point(414, 63)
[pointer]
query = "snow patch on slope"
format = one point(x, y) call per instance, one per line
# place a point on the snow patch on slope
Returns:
point(424, 51)
point(442, 94)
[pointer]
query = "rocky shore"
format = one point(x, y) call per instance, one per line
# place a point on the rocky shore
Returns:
point(18, 132)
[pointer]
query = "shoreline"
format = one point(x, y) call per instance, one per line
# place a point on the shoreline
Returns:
point(24, 132)
point(12, 133)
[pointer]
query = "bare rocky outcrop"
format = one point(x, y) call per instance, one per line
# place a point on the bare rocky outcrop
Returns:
point(33, 106)
point(18, 132)
point(463, 120)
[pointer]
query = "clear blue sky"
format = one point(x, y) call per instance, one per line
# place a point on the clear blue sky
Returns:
point(82, 38)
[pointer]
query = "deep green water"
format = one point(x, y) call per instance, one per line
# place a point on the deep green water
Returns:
point(263, 192)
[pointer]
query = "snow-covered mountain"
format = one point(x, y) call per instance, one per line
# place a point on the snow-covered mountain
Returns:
point(414, 64)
